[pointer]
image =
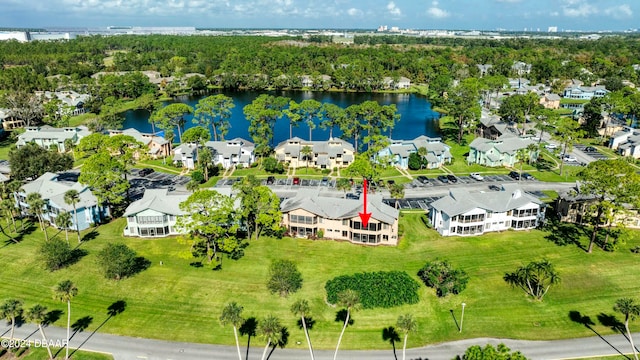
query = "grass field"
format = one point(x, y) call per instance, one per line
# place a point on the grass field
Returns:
point(180, 302)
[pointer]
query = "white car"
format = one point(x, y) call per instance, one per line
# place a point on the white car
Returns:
point(476, 176)
point(551, 147)
point(569, 158)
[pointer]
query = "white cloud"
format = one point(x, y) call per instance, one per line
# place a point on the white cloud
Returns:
point(578, 8)
point(393, 9)
point(437, 12)
point(354, 12)
point(620, 11)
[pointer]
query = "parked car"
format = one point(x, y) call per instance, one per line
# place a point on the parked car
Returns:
point(551, 147)
point(590, 149)
point(569, 158)
point(514, 175)
point(527, 176)
point(423, 179)
point(391, 182)
point(476, 176)
point(495, 188)
point(145, 171)
point(271, 180)
point(296, 181)
point(353, 196)
point(452, 178)
point(324, 181)
point(443, 178)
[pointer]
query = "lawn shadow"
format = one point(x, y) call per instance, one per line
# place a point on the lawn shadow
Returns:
point(282, 341)
point(19, 234)
point(76, 255)
point(52, 316)
point(453, 315)
point(341, 316)
point(248, 328)
point(309, 321)
point(611, 321)
point(114, 309)
point(196, 264)
point(92, 235)
point(585, 320)
point(81, 325)
point(141, 264)
point(391, 335)
point(563, 234)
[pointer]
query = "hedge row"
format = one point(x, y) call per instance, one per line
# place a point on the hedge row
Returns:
point(376, 289)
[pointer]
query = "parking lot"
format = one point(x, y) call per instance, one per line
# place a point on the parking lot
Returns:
point(434, 182)
point(154, 180)
point(424, 203)
point(591, 152)
point(283, 183)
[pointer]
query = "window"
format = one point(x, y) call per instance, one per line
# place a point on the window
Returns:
point(385, 226)
point(356, 225)
point(345, 222)
point(385, 238)
point(345, 233)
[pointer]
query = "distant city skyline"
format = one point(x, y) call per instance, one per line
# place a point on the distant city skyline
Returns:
point(565, 15)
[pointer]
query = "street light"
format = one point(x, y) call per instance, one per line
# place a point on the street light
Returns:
point(462, 316)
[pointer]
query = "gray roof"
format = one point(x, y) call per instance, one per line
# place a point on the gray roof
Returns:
point(504, 144)
point(52, 187)
point(227, 148)
point(185, 149)
point(460, 201)
point(49, 132)
point(553, 97)
point(434, 146)
point(331, 147)
point(160, 200)
point(338, 208)
point(144, 138)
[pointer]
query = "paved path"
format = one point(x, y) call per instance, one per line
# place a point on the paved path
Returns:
point(129, 348)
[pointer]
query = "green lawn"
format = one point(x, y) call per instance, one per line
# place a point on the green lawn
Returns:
point(5, 146)
point(159, 165)
point(41, 353)
point(180, 302)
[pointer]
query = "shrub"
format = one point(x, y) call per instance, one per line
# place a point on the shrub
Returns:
point(56, 254)
point(383, 289)
point(118, 261)
point(443, 278)
point(271, 165)
point(284, 278)
point(197, 176)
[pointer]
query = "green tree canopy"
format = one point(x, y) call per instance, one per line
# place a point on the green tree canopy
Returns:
point(284, 278)
point(31, 161)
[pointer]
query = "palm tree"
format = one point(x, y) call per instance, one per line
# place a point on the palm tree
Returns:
point(307, 151)
point(63, 221)
point(397, 192)
point(9, 206)
point(630, 310)
point(193, 186)
point(65, 291)
point(422, 151)
point(232, 314)
point(270, 329)
point(13, 187)
point(407, 325)
point(38, 315)
point(301, 308)
point(72, 197)
point(350, 300)
point(10, 310)
point(36, 203)
point(522, 155)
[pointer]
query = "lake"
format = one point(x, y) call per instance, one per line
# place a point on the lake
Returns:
point(416, 116)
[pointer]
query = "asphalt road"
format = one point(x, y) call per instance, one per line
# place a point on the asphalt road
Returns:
point(129, 348)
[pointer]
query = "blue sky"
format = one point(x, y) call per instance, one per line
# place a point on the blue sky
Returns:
point(414, 14)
